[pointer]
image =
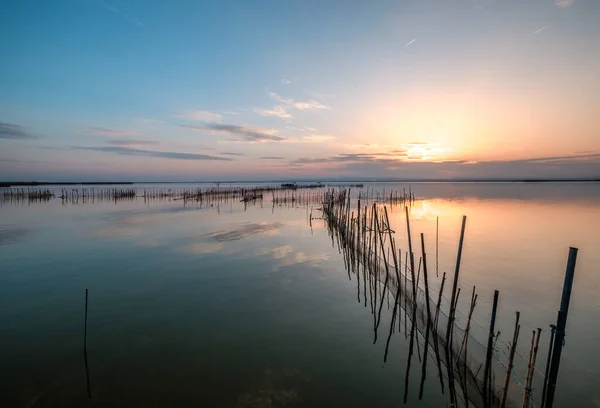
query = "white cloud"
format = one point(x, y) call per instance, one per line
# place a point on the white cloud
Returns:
point(564, 3)
point(278, 111)
point(300, 105)
point(201, 116)
point(285, 81)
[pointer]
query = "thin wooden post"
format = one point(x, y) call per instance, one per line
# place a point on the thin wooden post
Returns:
point(435, 323)
point(490, 346)
point(455, 283)
point(428, 328)
point(548, 360)
point(439, 302)
point(561, 324)
point(411, 255)
point(535, 341)
point(513, 349)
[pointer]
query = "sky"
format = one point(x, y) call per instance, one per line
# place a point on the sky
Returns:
point(94, 90)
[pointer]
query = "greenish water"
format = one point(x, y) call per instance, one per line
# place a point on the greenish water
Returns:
point(235, 306)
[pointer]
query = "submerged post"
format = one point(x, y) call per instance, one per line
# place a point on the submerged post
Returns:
point(561, 324)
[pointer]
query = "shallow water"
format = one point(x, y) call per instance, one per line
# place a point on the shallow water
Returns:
point(248, 306)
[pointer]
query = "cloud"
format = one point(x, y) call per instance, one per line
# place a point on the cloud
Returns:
point(132, 142)
point(101, 131)
point(278, 111)
point(272, 158)
point(201, 116)
point(369, 146)
point(317, 138)
point(300, 105)
point(133, 20)
point(241, 133)
point(540, 30)
point(564, 3)
point(410, 42)
point(127, 151)
point(384, 164)
point(14, 132)
point(301, 129)
point(231, 154)
point(382, 157)
point(285, 81)
point(310, 139)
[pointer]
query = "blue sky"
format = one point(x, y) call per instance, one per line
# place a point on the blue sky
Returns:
point(215, 90)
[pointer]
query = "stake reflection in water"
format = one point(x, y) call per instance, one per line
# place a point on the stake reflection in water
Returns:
point(368, 239)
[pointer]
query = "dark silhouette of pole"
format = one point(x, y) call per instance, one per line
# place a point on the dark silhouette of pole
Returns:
point(561, 324)
point(490, 346)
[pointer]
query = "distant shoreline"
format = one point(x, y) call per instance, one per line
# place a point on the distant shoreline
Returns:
point(325, 181)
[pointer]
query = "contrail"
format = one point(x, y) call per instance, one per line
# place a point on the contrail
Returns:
point(410, 42)
point(540, 30)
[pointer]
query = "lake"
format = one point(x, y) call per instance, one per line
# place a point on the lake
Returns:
point(232, 304)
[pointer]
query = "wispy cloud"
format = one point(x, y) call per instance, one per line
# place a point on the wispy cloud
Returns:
point(102, 131)
point(133, 20)
point(127, 151)
point(354, 158)
point(564, 3)
point(369, 146)
point(200, 116)
point(131, 142)
point(540, 30)
point(410, 42)
point(285, 81)
point(317, 138)
point(240, 133)
point(278, 111)
point(310, 139)
point(271, 158)
point(14, 132)
point(301, 129)
point(231, 154)
point(300, 105)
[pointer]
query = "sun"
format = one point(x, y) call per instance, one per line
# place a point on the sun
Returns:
point(421, 151)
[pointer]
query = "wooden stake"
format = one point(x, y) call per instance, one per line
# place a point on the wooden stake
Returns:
point(488, 359)
point(513, 348)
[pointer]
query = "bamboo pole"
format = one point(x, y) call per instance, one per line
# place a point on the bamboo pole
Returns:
point(561, 324)
point(411, 254)
point(488, 359)
point(427, 329)
point(513, 349)
point(535, 341)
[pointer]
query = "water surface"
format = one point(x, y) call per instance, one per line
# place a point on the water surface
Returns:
point(239, 305)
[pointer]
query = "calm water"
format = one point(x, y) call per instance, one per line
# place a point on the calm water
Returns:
point(247, 306)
